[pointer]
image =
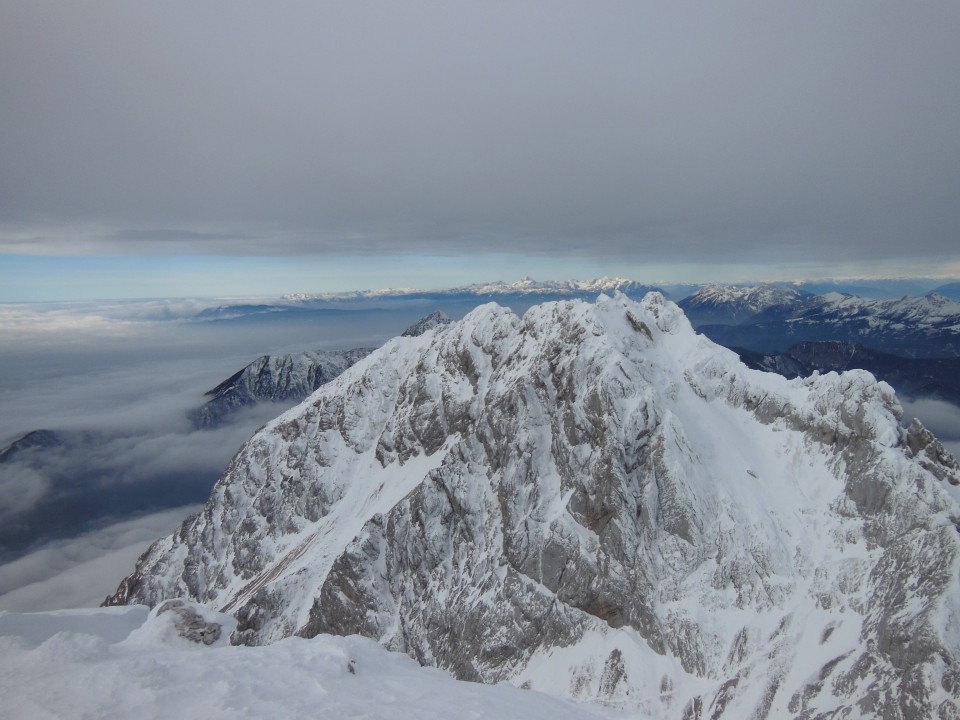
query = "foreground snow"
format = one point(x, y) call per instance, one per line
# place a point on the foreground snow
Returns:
point(127, 662)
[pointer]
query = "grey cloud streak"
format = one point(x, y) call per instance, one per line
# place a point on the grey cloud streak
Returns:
point(747, 130)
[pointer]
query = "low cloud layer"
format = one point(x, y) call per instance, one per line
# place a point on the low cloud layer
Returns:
point(82, 571)
point(115, 383)
point(720, 132)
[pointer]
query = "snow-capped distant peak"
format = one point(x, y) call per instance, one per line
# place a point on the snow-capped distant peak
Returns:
point(754, 297)
point(425, 324)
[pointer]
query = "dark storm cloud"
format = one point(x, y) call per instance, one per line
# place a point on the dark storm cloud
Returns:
point(679, 131)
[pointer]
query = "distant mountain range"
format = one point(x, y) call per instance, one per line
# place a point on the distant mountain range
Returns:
point(768, 319)
point(524, 286)
point(525, 292)
point(739, 305)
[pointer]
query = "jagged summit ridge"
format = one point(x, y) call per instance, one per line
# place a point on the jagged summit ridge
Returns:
point(594, 501)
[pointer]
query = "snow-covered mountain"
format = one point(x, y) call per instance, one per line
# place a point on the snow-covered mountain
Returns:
point(274, 378)
point(288, 378)
point(594, 501)
point(735, 305)
point(427, 323)
point(926, 326)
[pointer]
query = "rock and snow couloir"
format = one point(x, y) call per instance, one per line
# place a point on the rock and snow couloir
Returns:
point(594, 501)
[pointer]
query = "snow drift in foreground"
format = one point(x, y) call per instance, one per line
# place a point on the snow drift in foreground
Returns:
point(123, 663)
point(596, 502)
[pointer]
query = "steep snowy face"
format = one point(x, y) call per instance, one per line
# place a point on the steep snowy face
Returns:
point(594, 501)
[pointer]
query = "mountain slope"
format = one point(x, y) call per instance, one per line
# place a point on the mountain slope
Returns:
point(920, 327)
point(596, 502)
point(737, 305)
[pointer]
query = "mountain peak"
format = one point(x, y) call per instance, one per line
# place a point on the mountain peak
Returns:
point(427, 323)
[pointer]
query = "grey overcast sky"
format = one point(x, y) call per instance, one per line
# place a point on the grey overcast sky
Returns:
point(354, 144)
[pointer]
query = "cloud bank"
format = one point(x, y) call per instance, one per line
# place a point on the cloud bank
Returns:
point(713, 133)
point(82, 571)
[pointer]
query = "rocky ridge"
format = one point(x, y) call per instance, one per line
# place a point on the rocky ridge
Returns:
point(594, 501)
point(911, 377)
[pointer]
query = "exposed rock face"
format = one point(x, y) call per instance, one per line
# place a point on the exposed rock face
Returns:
point(190, 624)
point(594, 501)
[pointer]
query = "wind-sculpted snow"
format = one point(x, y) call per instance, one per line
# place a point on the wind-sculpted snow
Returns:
point(594, 501)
